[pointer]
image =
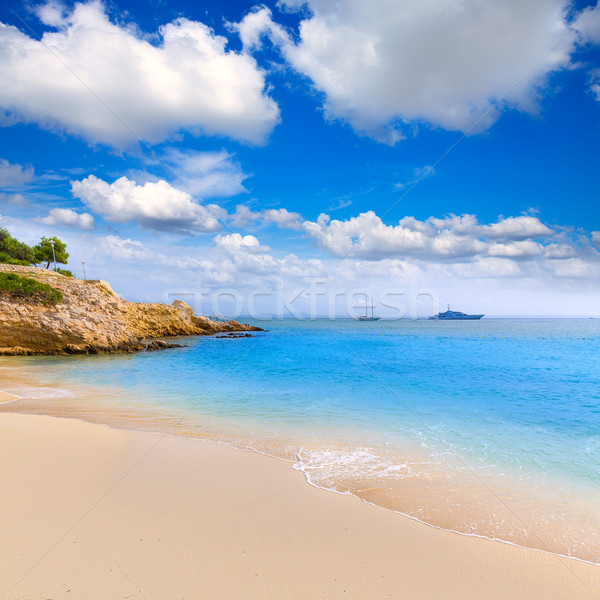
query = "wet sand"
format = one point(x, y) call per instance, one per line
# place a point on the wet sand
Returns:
point(92, 512)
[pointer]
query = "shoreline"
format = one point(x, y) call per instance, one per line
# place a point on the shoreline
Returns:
point(142, 486)
point(293, 464)
point(139, 419)
point(432, 525)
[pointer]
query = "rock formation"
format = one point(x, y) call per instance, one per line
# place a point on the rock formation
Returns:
point(91, 318)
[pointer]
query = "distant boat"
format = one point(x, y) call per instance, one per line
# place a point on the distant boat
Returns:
point(454, 315)
point(366, 316)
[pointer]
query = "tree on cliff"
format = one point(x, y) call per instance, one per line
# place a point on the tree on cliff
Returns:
point(12, 250)
point(43, 251)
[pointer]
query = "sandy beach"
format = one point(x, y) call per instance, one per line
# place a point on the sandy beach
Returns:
point(90, 512)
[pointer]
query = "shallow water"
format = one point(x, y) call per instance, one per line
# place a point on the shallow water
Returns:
point(487, 427)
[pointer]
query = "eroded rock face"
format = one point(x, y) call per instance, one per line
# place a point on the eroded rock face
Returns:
point(91, 318)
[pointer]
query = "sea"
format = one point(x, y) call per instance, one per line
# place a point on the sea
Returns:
point(488, 428)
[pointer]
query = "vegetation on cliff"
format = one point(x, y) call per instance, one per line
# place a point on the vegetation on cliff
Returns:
point(29, 290)
point(49, 250)
point(14, 252)
point(9, 260)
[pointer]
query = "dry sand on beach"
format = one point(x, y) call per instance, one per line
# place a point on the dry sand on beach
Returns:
point(87, 512)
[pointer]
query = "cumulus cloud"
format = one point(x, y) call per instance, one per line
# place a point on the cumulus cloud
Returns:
point(481, 268)
point(246, 256)
point(596, 237)
point(12, 175)
point(576, 268)
point(64, 217)
point(234, 242)
point(283, 218)
point(452, 238)
point(516, 228)
point(588, 25)
point(510, 228)
point(243, 216)
point(595, 83)
point(155, 205)
point(122, 248)
point(348, 238)
point(385, 65)
point(17, 199)
point(559, 251)
point(52, 13)
point(107, 83)
point(207, 174)
point(516, 250)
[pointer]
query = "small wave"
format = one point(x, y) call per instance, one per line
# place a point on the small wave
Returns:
point(330, 467)
point(13, 399)
point(35, 393)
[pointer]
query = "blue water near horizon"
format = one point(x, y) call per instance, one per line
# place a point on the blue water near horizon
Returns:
point(512, 400)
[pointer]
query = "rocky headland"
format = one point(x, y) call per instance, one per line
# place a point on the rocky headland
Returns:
point(91, 318)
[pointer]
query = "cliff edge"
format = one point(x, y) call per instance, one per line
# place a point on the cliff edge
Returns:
point(91, 318)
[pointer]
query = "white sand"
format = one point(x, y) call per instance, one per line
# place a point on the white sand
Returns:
point(88, 513)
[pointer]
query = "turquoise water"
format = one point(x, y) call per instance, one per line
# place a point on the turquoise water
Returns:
point(487, 427)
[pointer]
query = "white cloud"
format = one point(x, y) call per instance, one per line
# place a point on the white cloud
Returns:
point(451, 238)
point(17, 199)
point(595, 83)
point(12, 175)
point(248, 258)
point(243, 216)
point(596, 237)
point(64, 217)
point(341, 203)
point(207, 174)
point(108, 84)
point(448, 244)
point(589, 25)
point(385, 65)
point(349, 238)
point(575, 268)
point(559, 251)
point(147, 269)
point(283, 218)
point(481, 268)
point(234, 242)
point(516, 250)
point(509, 228)
point(155, 205)
point(256, 24)
point(122, 249)
point(516, 228)
point(52, 13)
point(419, 174)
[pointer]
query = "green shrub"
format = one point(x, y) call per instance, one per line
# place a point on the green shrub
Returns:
point(14, 248)
point(24, 288)
point(65, 272)
point(9, 260)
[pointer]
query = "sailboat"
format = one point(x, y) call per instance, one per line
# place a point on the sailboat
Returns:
point(366, 316)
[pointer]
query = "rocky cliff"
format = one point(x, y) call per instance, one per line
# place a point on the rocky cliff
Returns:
point(91, 318)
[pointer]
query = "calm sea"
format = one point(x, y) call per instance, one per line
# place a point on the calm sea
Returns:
point(487, 427)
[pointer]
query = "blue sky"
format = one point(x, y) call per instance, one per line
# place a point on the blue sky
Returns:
point(294, 157)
